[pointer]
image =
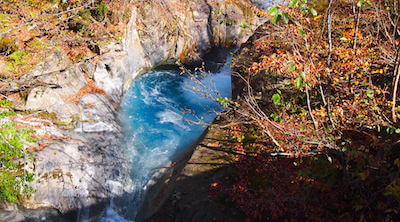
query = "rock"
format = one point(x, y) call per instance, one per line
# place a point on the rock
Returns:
point(57, 70)
point(163, 33)
point(264, 4)
point(11, 216)
point(65, 79)
point(85, 167)
point(110, 76)
point(52, 101)
point(97, 115)
point(80, 168)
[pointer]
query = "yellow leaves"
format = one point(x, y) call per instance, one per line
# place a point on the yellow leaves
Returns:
point(378, 71)
point(364, 175)
point(336, 80)
point(344, 39)
point(320, 112)
point(397, 162)
point(317, 17)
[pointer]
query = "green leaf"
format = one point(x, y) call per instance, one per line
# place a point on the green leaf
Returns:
point(304, 9)
point(313, 12)
point(299, 82)
point(294, 4)
point(370, 93)
point(302, 32)
point(274, 11)
point(275, 19)
point(276, 117)
point(276, 98)
point(285, 18)
point(292, 68)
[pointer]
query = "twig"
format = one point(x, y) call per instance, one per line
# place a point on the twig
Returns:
point(357, 20)
point(69, 10)
point(306, 86)
point(18, 27)
point(330, 14)
point(396, 83)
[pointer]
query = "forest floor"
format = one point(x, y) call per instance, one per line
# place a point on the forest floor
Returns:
point(30, 30)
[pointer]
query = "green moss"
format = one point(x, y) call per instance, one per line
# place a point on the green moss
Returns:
point(60, 123)
point(7, 46)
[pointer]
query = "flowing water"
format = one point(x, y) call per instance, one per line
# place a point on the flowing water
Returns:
point(163, 113)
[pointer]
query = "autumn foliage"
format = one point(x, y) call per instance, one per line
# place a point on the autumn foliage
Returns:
point(30, 30)
point(317, 135)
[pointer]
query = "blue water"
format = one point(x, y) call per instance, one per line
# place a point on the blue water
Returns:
point(162, 113)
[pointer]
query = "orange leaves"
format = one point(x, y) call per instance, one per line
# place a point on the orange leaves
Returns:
point(354, 79)
point(215, 184)
point(69, 24)
point(90, 87)
point(214, 145)
point(37, 148)
point(320, 112)
point(255, 68)
point(254, 9)
point(49, 136)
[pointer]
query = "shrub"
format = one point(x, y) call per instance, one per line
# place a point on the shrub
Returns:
point(13, 176)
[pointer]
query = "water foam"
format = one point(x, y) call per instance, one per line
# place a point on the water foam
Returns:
point(155, 115)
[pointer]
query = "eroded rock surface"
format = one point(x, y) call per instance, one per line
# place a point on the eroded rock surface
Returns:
point(163, 32)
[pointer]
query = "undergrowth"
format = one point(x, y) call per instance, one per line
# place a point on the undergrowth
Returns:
point(315, 123)
point(31, 29)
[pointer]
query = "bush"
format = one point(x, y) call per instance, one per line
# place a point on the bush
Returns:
point(13, 176)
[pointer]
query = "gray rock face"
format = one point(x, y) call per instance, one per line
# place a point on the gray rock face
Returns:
point(163, 32)
point(61, 80)
point(264, 4)
point(84, 165)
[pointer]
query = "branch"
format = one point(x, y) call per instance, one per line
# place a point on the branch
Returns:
point(396, 84)
point(18, 27)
